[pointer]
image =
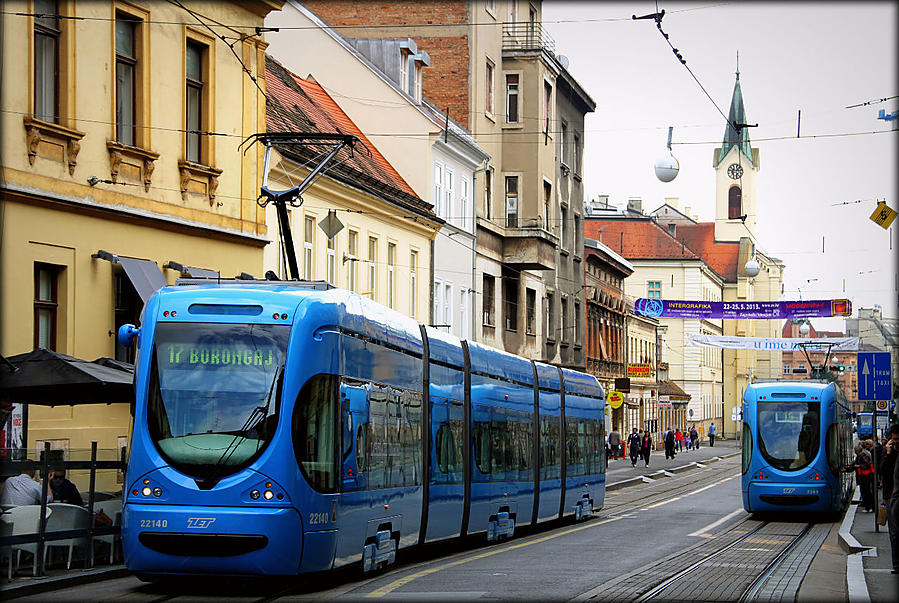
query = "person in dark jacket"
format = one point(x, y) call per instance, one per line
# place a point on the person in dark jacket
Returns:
point(669, 443)
point(64, 491)
point(646, 447)
point(864, 476)
point(890, 471)
point(634, 442)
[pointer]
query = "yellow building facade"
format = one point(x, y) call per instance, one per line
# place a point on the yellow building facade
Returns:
point(121, 136)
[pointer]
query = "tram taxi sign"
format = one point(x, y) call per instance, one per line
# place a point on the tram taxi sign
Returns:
point(615, 399)
point(883, 215)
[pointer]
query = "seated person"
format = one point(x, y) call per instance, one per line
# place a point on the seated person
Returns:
point(22, 490)
point(64, 491)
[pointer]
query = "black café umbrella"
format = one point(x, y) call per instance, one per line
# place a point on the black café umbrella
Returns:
point(49, 378)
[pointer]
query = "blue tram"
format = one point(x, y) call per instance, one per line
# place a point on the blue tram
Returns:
point(797, 438)
point(283, 428)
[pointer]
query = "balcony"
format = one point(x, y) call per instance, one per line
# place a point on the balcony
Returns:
point(530, 248)
point(527, 36)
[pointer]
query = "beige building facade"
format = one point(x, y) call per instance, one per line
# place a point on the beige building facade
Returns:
point(127, 149)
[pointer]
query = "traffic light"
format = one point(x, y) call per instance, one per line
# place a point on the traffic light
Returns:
point(842, 367)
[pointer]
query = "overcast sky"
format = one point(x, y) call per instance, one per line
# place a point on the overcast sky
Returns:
point(817, 58)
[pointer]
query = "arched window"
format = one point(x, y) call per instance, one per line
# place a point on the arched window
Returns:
point(734, 203)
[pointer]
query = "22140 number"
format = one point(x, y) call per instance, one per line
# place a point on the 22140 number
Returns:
point(154, 523)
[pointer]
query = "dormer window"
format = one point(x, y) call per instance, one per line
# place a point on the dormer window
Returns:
point(405, 59)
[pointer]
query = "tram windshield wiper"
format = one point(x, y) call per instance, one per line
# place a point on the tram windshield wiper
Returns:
point(253, 428)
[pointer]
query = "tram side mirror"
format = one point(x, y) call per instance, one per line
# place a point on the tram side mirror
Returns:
point(127, 333)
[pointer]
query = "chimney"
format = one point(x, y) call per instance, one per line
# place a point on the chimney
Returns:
point(672, 229)
point(687, 211)
point(601, 201)
point(635, 204)
point(672, 201)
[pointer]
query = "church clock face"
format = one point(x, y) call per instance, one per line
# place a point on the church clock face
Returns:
point(735, 171)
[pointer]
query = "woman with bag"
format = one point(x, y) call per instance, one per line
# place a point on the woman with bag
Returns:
point(646, 447)
point(864, 475)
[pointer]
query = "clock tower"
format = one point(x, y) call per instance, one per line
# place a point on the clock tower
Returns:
point(736, 165)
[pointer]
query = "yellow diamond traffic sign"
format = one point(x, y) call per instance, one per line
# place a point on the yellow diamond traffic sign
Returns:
point(883, 215)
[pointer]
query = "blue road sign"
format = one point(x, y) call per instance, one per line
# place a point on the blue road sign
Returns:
point(875, 381)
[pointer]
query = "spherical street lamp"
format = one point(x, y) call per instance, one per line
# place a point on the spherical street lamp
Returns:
point(752, 268)
point(667, 167)
point(804, 328)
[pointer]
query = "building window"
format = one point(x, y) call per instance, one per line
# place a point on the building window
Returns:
point(489, 84)
point(511, 201)
point(547, 207)
point(405, 59)
point(734, 203)
point(332, 262)
point(391, 275)
point(128, 305)
point(490, 5)
point(46, 304)
point(564, 325)
point(449, 195)
point(563, 144)
point(576, 147)
point(488, 299)
point(413, 283)
point(308, 242)
point(577, 323)
point(372, 267)
point(654, 289)
point(576, 233)
point(438, 189)
point(417, 74)
point(195, 116)
point(547, 106)
point(530, 312)
point(465, 204)
point(126, 78)
point(512, 98)
point(563, 227)
point(46, 61)
point(510, 301)
point(352, 250)
point(488, 195)
point(548, 317)
point(464, 329)
point(513, 11)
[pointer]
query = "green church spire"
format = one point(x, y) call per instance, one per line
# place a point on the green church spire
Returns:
point(736, 137)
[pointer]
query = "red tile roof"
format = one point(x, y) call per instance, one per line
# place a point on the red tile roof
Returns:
point(299, 105)
point(637, 239)
point(722, 257)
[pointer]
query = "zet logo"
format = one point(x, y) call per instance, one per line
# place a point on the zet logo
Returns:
point(200, 523)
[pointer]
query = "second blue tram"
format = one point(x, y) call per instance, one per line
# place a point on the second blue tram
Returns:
point(797, 439)
point(282, 429)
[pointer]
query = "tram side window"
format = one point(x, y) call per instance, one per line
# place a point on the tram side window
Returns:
point(833, 448)
point(448, 456)
point(550, 445)
point(314, 430)
point(576, 442)
point(387, 446)
point(503, 443)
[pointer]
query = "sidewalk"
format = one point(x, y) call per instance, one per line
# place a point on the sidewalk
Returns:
point(620, 472)
point(869, 563)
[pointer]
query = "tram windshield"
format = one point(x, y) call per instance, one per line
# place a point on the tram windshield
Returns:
point(214, 394)
point(789, 433)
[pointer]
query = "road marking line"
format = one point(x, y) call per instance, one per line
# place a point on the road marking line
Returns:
point(704, 531)
point(387, 589)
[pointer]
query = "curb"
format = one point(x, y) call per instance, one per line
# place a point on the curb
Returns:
point(847, 540)
point(42, 585)
point(855, 569)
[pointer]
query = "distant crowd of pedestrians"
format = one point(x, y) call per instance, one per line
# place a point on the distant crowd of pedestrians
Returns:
point(639, 443)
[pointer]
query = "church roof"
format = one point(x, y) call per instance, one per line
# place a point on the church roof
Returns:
point(721, 256)
point(732, 137)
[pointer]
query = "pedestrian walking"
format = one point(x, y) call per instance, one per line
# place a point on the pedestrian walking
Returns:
point(634, 442)
point(890, 469)
point(669, 444)
point(679, 439)
point(864, 474)
point(646, 447)
point(614, 442)
point(712, 435)
point(694, 437)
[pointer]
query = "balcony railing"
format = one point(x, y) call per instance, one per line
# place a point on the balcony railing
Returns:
point(527, 36)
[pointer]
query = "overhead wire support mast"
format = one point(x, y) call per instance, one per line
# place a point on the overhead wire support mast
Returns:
point(293, 196)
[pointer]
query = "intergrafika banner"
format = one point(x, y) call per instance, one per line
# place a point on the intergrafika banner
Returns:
point(667, 308)
point(776, 344)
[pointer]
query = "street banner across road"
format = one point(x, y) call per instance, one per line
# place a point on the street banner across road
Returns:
point(667, 308)
point(776, 344)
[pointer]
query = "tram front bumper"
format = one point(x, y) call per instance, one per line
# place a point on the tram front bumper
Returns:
point(186, 540)
point(783, 497)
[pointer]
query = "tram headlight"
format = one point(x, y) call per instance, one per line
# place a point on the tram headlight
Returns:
point(157, 491)
point(254, 494)
point(268, 495)
point(146, 491)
